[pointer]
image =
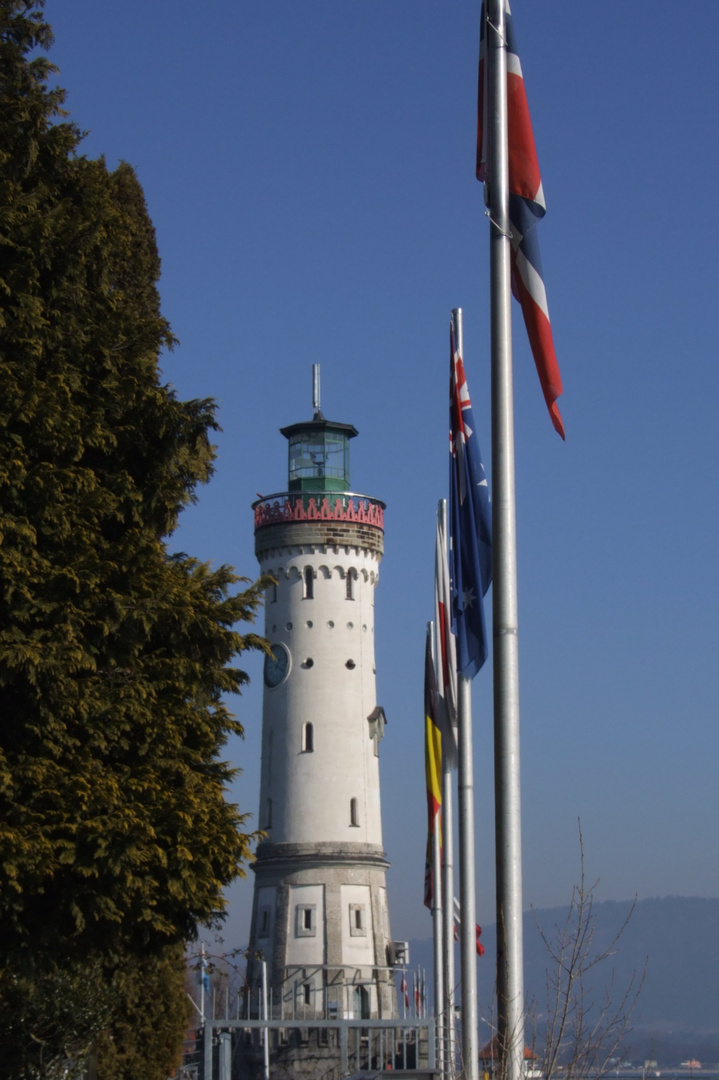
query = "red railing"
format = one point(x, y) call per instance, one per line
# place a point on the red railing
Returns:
point(318, 506)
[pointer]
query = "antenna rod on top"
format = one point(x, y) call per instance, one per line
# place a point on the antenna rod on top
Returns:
point(316, 387)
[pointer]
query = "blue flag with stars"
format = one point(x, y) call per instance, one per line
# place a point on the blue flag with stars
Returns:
point(470, 523)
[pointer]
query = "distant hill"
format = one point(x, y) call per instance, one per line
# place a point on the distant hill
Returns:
point(678, 937)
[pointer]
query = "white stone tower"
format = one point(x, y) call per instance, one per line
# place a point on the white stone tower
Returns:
point(320, 916)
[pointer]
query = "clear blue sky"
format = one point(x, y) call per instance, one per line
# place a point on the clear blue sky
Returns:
point(309, 170)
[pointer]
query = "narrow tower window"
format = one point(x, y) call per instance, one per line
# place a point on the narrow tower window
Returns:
point(354, 812)
point(308, 739)
point(357, 921)
point(306, 920)
point(309, 583)
point(350, 585)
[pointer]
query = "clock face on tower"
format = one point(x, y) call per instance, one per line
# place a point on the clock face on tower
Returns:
point(277, 665)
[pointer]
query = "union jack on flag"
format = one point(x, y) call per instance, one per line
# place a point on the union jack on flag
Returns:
point(526, 208)
point(470, 524)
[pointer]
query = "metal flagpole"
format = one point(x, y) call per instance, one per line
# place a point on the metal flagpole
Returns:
point(437, 921)
point(265, 1017)
point(467, 939)
point(202, 981)
point(450, 1053)
point(510, 982)
point(448, 917)
point(465, 790)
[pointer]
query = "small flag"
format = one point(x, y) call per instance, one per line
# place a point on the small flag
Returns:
point(404, 990)
point(432, 764)
point(446, 648)
point(470, 524)
point(526, 208)
point(458, 923)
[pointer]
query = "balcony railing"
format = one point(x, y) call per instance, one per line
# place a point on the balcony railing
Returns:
point(288, 506)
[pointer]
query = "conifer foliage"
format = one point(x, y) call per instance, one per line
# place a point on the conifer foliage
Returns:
point(115, 835)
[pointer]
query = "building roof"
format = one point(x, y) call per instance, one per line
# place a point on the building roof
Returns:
point(490, 1050)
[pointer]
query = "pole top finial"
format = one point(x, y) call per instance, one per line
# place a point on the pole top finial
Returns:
point(316, 392)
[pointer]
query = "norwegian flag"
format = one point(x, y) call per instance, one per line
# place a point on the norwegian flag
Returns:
point(458, 923)
point(470, 524)
point(526, 208)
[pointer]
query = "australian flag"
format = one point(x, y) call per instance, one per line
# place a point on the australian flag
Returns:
point(526, 208)
point(470, 524)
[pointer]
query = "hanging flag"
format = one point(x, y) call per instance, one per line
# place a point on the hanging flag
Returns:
point(526, 208)
point(404, 990)
point(470, 524)
point(458, 923)
point(205, 972)
point(432, 764)
point(445, 647)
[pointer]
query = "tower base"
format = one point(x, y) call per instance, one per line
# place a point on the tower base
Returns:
point(321, 927)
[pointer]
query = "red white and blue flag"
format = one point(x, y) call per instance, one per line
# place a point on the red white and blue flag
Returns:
point(526, 208)
point(470, 524)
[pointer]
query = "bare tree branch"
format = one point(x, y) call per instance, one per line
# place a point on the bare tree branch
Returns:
point(583, 1031)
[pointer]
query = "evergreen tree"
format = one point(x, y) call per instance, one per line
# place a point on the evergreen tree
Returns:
point(141, 1041)
point(115, 835)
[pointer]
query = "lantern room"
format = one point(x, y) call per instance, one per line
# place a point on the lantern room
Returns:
point(319, 455)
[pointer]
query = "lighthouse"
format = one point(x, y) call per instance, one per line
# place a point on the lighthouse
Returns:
point(320, 920)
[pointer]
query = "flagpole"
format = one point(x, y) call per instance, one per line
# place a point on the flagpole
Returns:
point(510, 982)
point(448, 916)
point(202, 982)
point(447, 862)
point(467, 933)
point(465, 791)
point(437, 905)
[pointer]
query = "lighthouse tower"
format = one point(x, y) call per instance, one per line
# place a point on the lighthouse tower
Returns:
point(320, 917)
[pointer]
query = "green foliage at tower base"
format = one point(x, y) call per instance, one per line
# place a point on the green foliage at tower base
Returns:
point(127, 1018)
point(116, 838)
point(141, 1042)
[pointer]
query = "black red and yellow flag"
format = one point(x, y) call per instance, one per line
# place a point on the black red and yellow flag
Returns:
point(432, 764)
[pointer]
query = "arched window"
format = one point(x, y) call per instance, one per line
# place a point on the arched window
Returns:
point(308, 738)
point(309, 580)
point(350, 585)
point(354, 812)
